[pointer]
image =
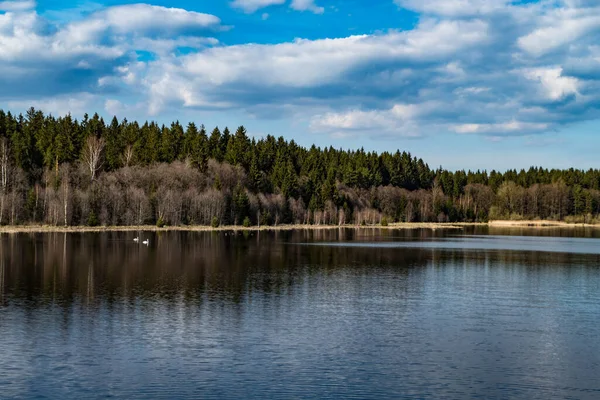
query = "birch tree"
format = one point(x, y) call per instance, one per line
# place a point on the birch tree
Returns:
point(4, 163)
point(65, 191)
point(92, 153)
point(128, 155)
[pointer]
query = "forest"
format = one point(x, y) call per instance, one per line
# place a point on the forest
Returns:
point(64, 172)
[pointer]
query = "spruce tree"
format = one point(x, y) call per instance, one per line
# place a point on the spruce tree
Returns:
point(114, 145)
point(214, 145)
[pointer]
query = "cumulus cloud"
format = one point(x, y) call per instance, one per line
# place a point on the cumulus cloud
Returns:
point(552, 83)
point(480, 67)
point(488, 67)
point(39, 57)
point(318, 68)
point(138, 20)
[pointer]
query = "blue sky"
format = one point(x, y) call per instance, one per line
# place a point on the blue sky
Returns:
point(476, 84)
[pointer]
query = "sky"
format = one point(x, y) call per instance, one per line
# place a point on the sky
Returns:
point(473, 84)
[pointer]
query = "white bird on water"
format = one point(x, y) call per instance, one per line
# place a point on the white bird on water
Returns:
point(137, 239)
point(146, 242)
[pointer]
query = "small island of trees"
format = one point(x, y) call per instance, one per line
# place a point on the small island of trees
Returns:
point(65, 172)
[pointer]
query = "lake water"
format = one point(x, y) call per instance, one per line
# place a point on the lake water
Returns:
point(366, 314)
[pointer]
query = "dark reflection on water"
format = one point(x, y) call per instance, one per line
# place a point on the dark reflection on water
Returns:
point(210, 315)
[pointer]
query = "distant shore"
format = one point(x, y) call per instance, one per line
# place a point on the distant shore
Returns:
point(204, 228)
point(539, 224)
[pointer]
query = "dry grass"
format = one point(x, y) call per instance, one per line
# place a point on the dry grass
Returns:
point(539, 224)
point(202, 228)
point(151, 228)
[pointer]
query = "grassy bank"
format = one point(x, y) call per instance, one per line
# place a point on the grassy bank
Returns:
point(198, 228)
point(540, 224)
point(203, 228)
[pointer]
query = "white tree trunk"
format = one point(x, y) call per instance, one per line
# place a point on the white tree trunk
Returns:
point(92, 154)
point(4, 163)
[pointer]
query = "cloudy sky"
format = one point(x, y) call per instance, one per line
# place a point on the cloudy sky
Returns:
point(461, 83)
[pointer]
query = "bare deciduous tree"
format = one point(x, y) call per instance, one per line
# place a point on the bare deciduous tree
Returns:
point(18, 188)
point(4, 163)
point(92, 154)
point(65, 191)
point(138, 206)
point(128, 155)
point(298, 210)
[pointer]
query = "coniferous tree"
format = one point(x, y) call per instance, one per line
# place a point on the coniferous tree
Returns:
point(289, 185)
point(214, 145)
point(200, 149)
point(223, 143)
point(238, 148)
point(131, 140)
point(114, 145)
point(189, 142)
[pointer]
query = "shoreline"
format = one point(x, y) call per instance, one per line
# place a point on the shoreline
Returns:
point(203, 228)
point(539, 224)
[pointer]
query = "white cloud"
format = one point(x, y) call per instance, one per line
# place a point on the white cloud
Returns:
point(113, 107)
point(455, 66)
point(401, 120)
point(37, 56)
point(76, 104)
point(307, 5)
point(122, 110)
point(101, 35)
point(144, 19)
point(250, 6)
point(558, 28)
point(306, 63)
point(510, 127)
point(554, 86)
point(139, 20)
point(22, 41)
point(471, 91)
point(487, 67)
point(16, 5)
point(453, 8)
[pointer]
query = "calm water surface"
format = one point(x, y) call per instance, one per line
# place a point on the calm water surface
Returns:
point(324, 314)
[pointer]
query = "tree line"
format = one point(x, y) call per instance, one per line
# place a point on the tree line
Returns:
point(62, 171)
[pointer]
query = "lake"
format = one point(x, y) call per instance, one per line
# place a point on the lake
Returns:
point(367, 313)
